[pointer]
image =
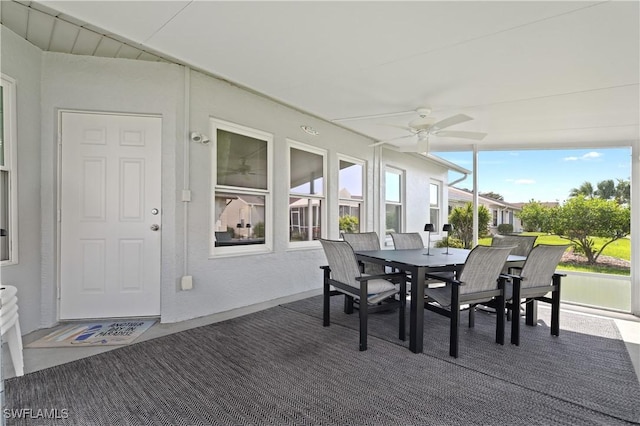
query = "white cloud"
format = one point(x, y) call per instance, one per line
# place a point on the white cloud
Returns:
point(586, 157)
point(590, 155)
point(524, 181)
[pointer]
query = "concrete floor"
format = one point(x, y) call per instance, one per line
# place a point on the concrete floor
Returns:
point(37, 358)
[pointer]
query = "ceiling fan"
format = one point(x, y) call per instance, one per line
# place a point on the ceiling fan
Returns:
point(424, 126)
point(242, 169)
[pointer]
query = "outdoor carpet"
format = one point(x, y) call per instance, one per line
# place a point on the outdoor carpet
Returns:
point(280, 366)
point(99, 333)
point(588, 364)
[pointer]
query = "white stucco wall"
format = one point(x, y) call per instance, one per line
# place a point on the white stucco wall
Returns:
point(418, 174)
point(111, 85)
point(72, 82)
point(22, 62)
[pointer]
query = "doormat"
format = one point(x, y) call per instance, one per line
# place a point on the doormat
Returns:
point(100, 333)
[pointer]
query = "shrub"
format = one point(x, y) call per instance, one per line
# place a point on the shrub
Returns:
point(505, 228)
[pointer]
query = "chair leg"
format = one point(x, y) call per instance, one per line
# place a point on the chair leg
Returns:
point(472, 316)
point(500, 319)
point(515, 313)
point(403, 304)
point(348, 304)
point(531, 312)
point(453, 331)
point(14, 342)
point(326, 304)
point(555, 308)
point(363, 311)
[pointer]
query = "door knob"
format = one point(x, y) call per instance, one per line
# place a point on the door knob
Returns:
point(155, 227)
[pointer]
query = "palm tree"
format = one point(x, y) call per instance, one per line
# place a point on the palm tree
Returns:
point(586, 189)
point(606, 189)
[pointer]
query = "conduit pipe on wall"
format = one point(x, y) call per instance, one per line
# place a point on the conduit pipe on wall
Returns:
point(186, 196)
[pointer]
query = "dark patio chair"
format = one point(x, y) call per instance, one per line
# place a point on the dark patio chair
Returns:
point(343, 276)
point(479, 281)
point(522, 245)
point(413, 240)
point(407, 240)
point(534, 281)
point(366, 241)
point(359, 242)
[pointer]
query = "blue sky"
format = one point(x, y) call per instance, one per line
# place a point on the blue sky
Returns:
point(549, 175)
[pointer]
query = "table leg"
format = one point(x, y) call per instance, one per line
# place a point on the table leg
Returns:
point(416, 316)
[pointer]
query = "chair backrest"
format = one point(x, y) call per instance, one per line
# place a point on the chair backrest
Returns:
point(342, 262)
point(366, 241)
point(408, 240)
point(363, 240)
point(223, 236)
point(522, 243)
point(541, 265)
point(482, 268)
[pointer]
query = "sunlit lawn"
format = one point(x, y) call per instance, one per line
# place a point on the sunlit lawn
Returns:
point(620, 249)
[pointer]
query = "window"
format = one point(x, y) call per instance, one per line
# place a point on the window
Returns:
point(8, 187)
point(350, 198)
point(307, 168)
point(494, 220)
point(242, 189)
point(393, 184)
point(434, 205)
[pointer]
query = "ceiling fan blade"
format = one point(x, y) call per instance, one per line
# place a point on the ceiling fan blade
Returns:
point(390, 140)
point(461, 134)
point(451, 121)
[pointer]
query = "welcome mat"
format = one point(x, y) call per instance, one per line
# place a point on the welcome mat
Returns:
point(100, 333)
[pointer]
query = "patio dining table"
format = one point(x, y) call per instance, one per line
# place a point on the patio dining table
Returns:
point(417, 263)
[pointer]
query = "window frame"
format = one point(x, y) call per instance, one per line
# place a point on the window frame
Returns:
point(363, 204)
point(401, 202)
point(292, 144)
point(438, 206)
point(237, 250)
point(10, 125)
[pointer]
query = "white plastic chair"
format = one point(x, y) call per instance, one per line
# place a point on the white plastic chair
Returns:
point(10, 326)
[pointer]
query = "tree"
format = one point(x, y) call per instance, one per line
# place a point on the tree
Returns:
point(586, 189)
point(623, 191)
point(492, 195)
point(349, 224)
point(534, 217)
point(462, 220)
point(606, 189)
point(580, 219)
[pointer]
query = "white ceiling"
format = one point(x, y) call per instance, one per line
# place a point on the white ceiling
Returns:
point(539, 74)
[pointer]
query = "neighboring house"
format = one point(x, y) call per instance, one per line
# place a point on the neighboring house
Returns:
point(501, 211)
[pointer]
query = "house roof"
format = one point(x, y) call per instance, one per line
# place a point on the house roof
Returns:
point(466, 196)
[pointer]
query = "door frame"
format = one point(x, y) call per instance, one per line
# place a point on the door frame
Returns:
point(58, 187)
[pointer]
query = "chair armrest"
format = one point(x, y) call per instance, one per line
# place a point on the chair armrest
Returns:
point(445, 279)
point(325, 267)
point(559, 274)
point(381, 276)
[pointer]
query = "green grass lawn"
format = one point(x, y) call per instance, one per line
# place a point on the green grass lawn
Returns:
point(620, 249)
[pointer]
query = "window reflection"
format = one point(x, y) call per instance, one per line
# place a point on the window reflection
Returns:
point(241, 197)
point(350, 196)
point(240, 219)
point(241, 160)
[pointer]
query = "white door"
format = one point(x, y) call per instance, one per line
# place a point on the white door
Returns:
point(110, 221)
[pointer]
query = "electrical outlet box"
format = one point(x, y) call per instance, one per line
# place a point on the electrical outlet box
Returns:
point(186, 283)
